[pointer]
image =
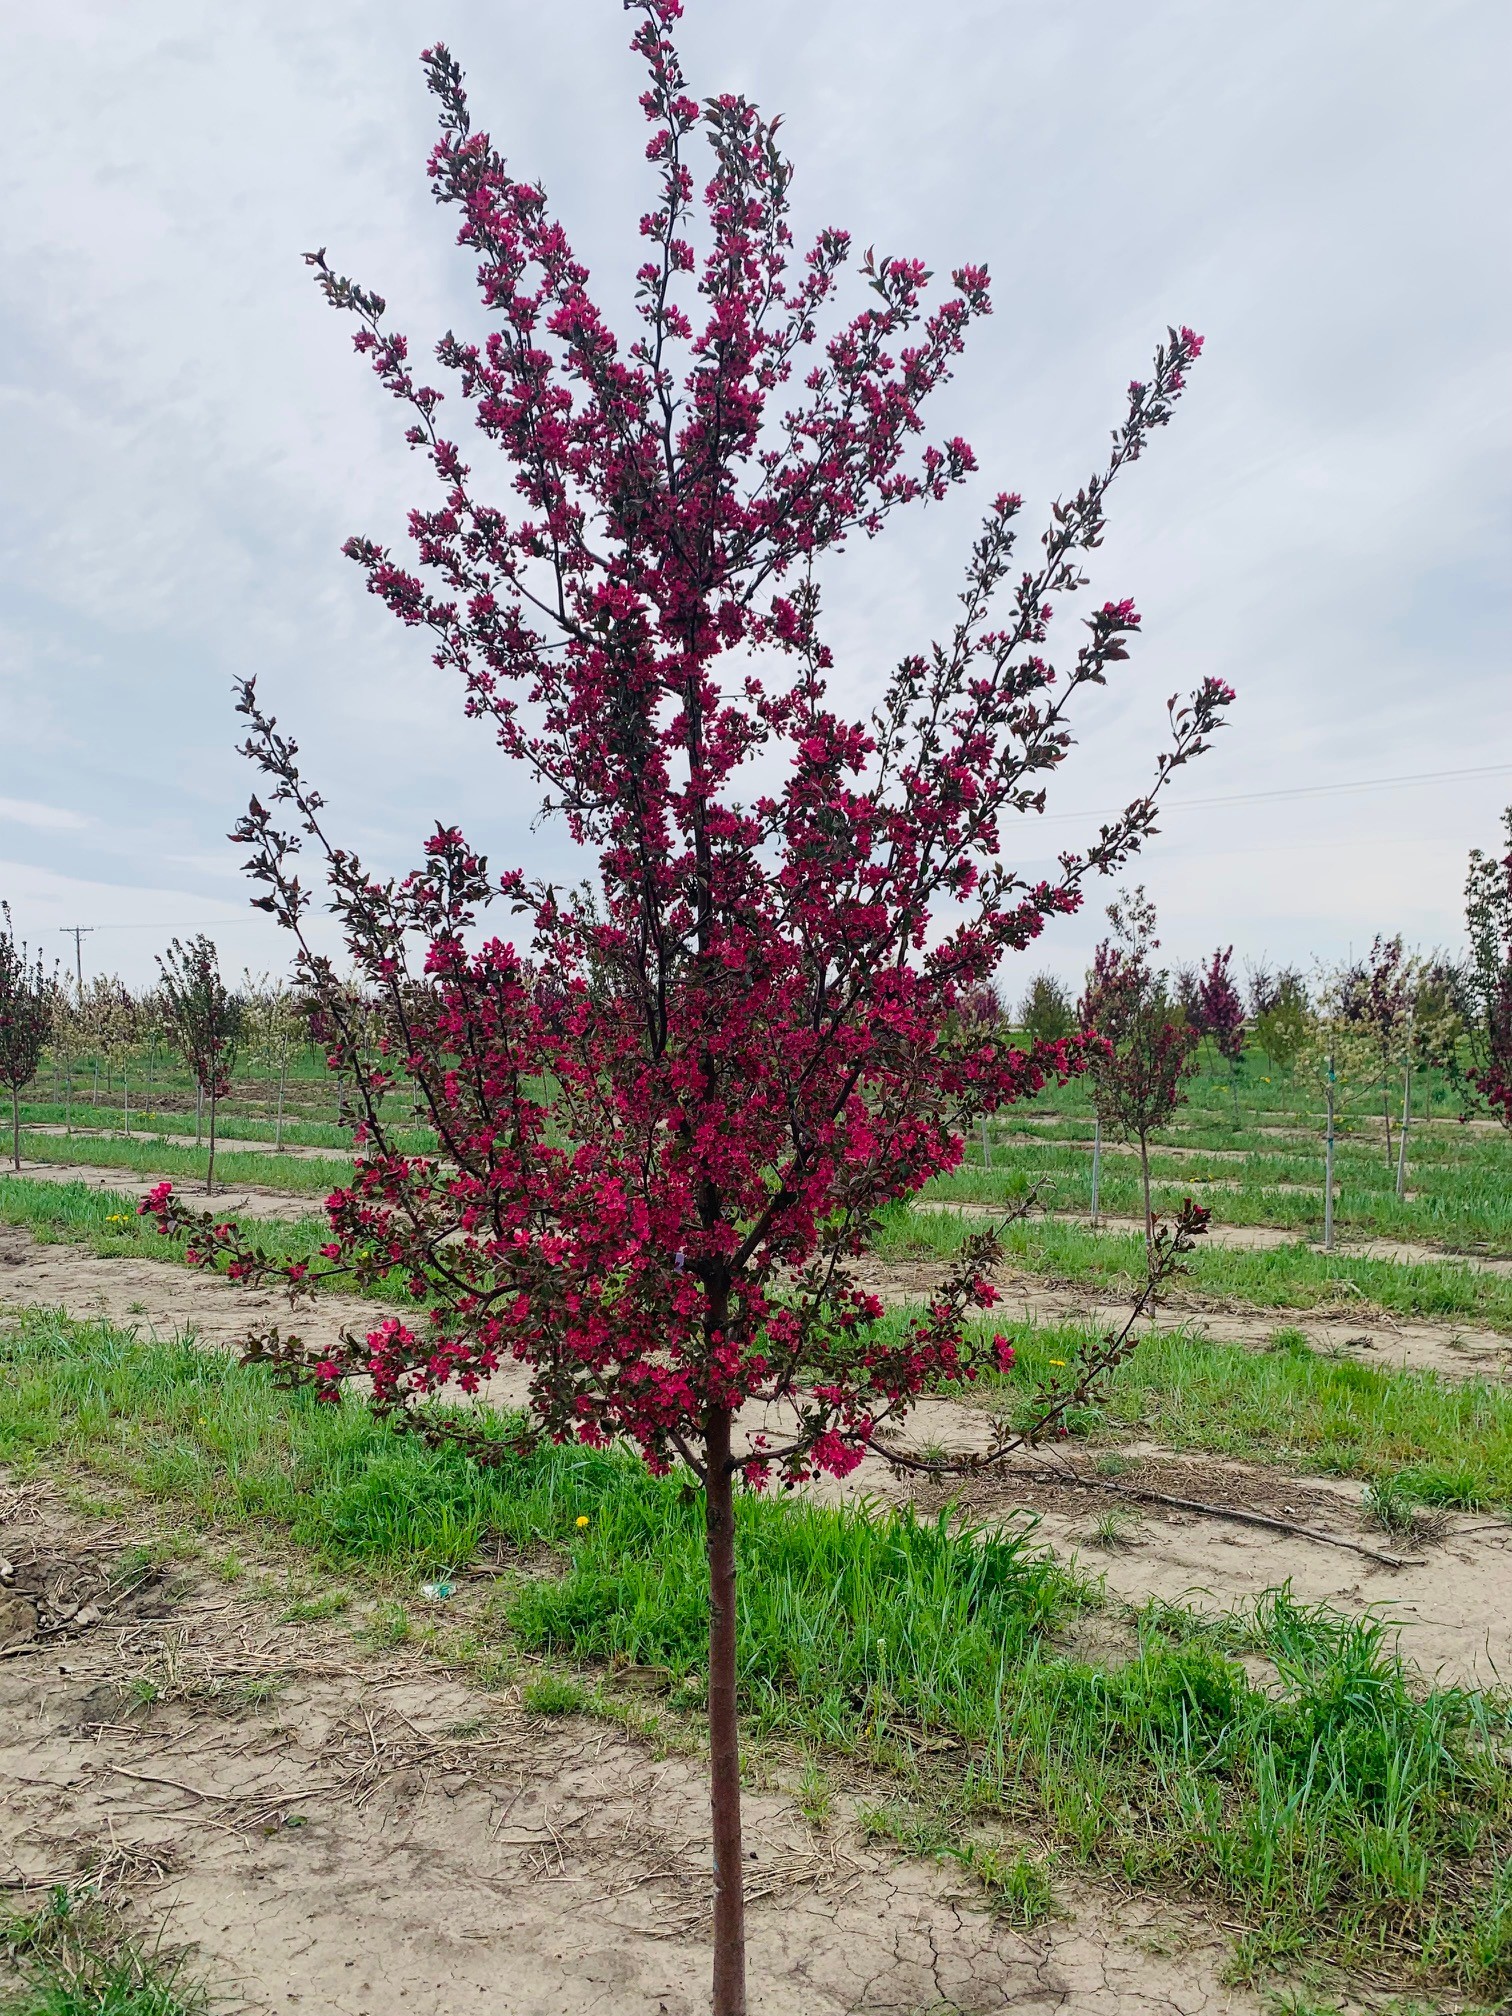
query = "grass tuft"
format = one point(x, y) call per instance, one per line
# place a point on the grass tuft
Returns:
point(70, 1958)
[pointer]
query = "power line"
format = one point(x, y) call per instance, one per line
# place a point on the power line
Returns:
point(1293, 791)
point(177, 924)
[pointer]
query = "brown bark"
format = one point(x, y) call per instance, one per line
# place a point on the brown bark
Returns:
point(724, 1732)
point(15, 1127)
point(1144, 1171)
point(210, 1167)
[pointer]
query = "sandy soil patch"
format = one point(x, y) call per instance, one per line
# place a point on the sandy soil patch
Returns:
point(365, 1836)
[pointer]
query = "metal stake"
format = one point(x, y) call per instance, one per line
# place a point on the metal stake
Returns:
point(1401, 1187)
point(1328, 1168)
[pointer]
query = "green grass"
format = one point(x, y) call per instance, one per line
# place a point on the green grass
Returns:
point(1344, 1813)
point(300, 1175)
point(1444, 1441)
point(1286, 1276)
point(107, 1222)
point(1462, 1197)
point(69, 1958)
point(233, 1124)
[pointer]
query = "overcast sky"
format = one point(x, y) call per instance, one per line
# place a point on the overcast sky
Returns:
point(1318, 185)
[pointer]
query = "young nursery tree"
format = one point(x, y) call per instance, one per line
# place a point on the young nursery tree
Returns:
point(27, 991)
point(1375, 994)
point(1281, 1019)
point(1149, 1047)
point(1220, 1016)
point(1438, 1023)
point(66, 1039)
point(668, 1120)
point(275, 1023)
point(207, 1022)
point(1336, 1063)
point(110, 1024)
point(1260, 988)
point(1047, 1013)
point(1488, 975)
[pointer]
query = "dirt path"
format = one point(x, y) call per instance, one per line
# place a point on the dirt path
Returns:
point(1255, 1238)
point(254, 1200)
point(362, 1835)
point(1449, 1610)
point(225, 1144)
point(1391, 1343)
point(243, 1200)
point(1452, 1604)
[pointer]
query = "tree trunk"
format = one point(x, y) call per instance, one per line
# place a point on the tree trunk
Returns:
point(1144, 1171)
point(1386, 1109)
point(15, 1127)
point(199, 1116)
point(283, 1077)
point(724, 1732)
point(210, 1166)
point(1234, 1088)
point(1096, 1165)
point(68, 1097)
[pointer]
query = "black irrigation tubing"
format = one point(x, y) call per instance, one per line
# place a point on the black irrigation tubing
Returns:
point(1246, 1518)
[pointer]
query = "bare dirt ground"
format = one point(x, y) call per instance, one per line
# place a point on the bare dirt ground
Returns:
point(361, 1834)
point(1451, 1603)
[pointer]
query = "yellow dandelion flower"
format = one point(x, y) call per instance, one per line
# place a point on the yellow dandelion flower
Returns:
point(582, 1520)
point(1059, 1361)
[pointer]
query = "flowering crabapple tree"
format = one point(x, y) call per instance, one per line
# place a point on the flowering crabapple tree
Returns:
point(1220, 1015)
point(27, 992)
point(1149, 1047)
point(206, 1020)
point(668, 1116)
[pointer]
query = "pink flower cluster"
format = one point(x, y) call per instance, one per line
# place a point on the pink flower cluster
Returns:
point(670, 1115)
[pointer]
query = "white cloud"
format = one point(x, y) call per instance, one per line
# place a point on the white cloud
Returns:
point(45, 818)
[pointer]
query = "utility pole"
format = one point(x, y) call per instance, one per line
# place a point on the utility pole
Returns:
point(78, 933)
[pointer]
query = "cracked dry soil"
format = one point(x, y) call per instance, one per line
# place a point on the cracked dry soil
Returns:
point(364, 1835)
